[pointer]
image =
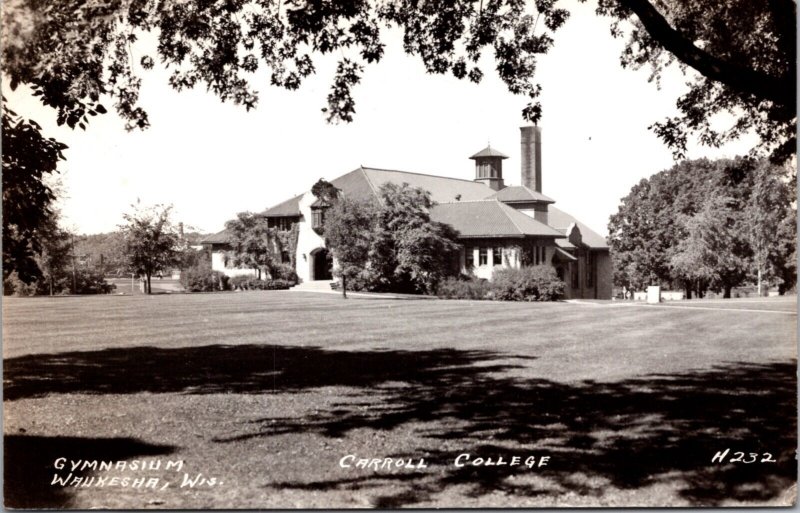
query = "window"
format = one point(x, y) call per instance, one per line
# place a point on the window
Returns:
point(539, 255)
point(469, 258)
point(281, 223)
point(317, 218)
point(483, 256)
point(285, 257)
point(497, 256)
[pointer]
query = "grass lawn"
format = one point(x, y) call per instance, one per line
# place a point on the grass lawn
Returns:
point(268, 391)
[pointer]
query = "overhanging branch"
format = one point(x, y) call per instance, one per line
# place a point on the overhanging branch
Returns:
point(779, 90)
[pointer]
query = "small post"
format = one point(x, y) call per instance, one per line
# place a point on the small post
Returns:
point(654, 294)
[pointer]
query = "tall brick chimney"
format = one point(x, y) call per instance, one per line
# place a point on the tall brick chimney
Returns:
point(531, 154)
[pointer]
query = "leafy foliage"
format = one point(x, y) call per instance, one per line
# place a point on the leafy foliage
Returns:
point(105, 252)
point(200, 279)
point(197, 276)
point(253, 243)
point(72, 53)
point(349, 234)
point(151, 241)
point(527, 283)
point(28, 159)
point(250, 283)
point(325, 191)
point(55, 255)
point(714, 252)
point(464, 287)
point(771, 227)
point(668, 224)
point(391, 244)
point(745, 54)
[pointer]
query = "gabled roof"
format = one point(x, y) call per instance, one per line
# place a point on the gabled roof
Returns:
point(489, 152)
point(520, 194)
point(490, 218)
point(561, 220)
point(366, 180)
point(222, 237)
point(290, 207)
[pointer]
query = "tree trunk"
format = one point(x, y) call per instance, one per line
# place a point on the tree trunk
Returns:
point(344, 286)
point(147, 288)
point(688, 289)
point(727, 293)
point(759, 283)
point(51, 284)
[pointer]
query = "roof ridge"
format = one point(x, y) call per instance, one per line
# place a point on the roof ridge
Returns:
point(369, 182)
point(419, 174)
point(467, 201)
point(520, 230)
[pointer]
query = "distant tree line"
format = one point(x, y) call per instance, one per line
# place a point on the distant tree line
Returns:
point(708, 225)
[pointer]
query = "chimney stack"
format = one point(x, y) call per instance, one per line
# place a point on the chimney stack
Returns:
point(531, 153)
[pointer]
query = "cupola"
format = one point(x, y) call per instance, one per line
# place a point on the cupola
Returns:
point(489, 167)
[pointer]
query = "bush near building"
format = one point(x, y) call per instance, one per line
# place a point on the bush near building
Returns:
point(529, 283)
point(464, 288)
point(533, 283)
point(201, 279)
point(252, 283)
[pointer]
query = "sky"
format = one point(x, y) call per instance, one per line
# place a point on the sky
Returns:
point(211, 160)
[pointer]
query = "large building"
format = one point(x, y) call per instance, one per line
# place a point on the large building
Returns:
point(498, 226)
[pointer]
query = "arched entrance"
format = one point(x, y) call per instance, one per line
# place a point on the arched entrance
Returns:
point(321, 265)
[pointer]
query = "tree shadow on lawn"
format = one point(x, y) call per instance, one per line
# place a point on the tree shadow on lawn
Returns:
point(628, 434)
point(235, 369)
point(29, 465)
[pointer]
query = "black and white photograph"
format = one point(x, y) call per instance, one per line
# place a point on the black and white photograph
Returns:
point(390, 254)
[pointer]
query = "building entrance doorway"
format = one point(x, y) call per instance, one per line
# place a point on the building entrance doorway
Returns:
point(321, 265)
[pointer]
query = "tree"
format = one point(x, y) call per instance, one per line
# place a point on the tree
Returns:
point(409, 253)
point(772, 226)
point(348, 232)
point(105, 251)
point(71, 53)
point(646, 229)
point(390, 244)
point(744, 52)
point(422, 249)
point(55, 256)
point(253, 242)
point(714, 252)
point(712, 223)
point(151, 241)
point(29, 159)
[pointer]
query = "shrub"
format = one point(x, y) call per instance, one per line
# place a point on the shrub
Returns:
point(279, 284)
point(201, 279)
point(242, 282)
point(284, 272)
point(535, 283)
point(90, 282)
point(12, 285)
point(251, 283)
point(464, 288)
point(86, 282)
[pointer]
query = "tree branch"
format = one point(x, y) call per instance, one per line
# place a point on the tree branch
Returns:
point(779, 90)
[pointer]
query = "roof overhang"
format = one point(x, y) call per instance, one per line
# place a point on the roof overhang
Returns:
point(563, 255)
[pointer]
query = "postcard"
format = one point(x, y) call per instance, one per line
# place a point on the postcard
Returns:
point(328, 255)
